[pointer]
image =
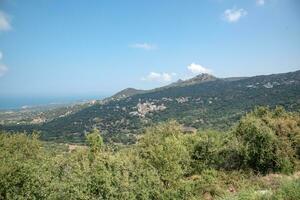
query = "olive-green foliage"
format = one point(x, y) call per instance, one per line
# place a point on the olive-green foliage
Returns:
point(122, 176)
point(22, 167)
point(163, 149)
point(94, 140)
point(164, 164)
point(69, 176)
point(154, 169)
point(216, 150)
point(207, 150)
point(270, 139)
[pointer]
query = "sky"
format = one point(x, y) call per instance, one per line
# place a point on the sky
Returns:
point(98, 47)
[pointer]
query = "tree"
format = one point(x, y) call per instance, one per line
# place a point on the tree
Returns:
point(94, 140)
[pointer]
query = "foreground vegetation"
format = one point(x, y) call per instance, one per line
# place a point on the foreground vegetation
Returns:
point(257, 159)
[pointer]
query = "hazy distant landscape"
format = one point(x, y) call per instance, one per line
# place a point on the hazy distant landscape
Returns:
point(150, 100)
point(21, 102)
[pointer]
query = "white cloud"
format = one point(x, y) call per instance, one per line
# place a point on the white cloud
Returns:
point(145, 46)
point(198, 69)
point(234, 14)
point(4, 22)
point(3, 69)
point(260, 2)
point(159, 77)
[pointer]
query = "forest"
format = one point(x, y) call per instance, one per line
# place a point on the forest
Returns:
point(257, 158)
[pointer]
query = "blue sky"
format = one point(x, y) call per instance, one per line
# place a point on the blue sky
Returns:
point(97, 47)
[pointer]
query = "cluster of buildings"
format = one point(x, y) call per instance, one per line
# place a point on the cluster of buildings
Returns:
point(144, 108)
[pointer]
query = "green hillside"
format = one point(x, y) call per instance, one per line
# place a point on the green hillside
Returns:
point(214, 104)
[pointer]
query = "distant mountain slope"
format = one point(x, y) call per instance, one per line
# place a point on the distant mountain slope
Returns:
point(216, 103)
point(201, 78)
point(126, 93)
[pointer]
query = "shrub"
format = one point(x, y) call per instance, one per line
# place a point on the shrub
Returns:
point(206, 151)
point(162, 147)
point(215, 150)
point(22, 167)
point(270, 140)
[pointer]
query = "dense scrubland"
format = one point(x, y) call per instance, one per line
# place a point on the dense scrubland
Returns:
point(258, 158)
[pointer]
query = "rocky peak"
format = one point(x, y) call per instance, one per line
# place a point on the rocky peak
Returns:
point(204, 77)
point(195, 80)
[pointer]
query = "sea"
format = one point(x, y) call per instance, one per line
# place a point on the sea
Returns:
point(22, 102)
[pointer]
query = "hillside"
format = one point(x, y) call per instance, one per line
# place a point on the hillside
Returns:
point(126, 93)
point(213, 103)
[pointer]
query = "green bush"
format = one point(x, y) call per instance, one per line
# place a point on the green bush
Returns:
point(206, 151)
point(23, 167)
point(215, 150)
point(162, 147)
point(270, 140)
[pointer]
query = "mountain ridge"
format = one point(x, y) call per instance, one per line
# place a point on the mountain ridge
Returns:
point(200, 78)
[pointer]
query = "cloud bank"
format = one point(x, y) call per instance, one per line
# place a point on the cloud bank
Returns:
point(234, 14)
point(144, 46)
point(4, 22)
point(260, 2)
point(3, 68)
point(159, 77)
point(198, 69)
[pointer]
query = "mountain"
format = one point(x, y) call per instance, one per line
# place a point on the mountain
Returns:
point(201, 102)
point(201, 78)
point(126, 93)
